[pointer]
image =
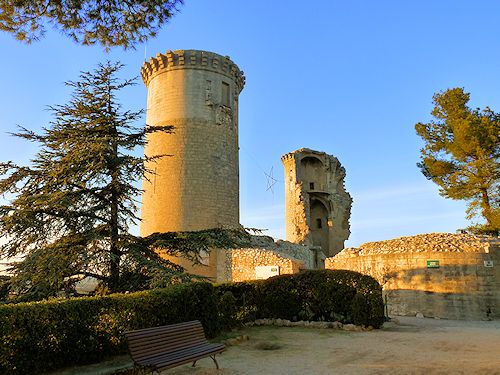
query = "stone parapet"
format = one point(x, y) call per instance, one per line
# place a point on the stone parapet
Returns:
point(192, 59)
point(430, 242)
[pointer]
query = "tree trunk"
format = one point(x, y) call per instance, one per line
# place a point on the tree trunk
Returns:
point(485, 205)
point(115, 255)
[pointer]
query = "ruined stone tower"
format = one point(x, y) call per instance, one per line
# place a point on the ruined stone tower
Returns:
point(317, 207)
point(197, 186)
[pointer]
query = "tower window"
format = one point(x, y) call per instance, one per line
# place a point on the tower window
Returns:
point(311, 185)
point(225, 94)
point(319, 223)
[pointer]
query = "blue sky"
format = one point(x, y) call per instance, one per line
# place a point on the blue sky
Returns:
point(350, 78)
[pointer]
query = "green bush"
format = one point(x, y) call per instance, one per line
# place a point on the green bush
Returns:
point(331, 295)
point(346, 296)
point(40, 336)
point(245, 305)
point(280, 297)
point(227, 310)
point(4, 288)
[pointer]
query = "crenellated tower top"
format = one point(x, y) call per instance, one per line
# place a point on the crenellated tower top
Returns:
point(192, 59)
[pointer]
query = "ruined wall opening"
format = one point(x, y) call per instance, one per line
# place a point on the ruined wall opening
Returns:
point(319, 225)
point(312, 173)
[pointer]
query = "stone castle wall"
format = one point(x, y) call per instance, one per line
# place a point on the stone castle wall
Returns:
point(461, 288)
point(223, 265)
point(240, 264)
point(197, 185)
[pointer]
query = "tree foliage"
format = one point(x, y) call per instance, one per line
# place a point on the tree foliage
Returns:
point(71, 209)
point(462, 153)
point(107, 22)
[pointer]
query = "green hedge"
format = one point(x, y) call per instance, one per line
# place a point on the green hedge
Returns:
point(345, 296)
point(40, 336)
point(244, 308)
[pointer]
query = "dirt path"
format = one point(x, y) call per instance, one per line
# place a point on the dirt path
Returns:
point(414, 346)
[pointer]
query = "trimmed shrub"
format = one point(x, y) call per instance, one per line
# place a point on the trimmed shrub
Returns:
point(280, 297)
point(227, 310)
point(346, 296)
point(329, 295)
point(40, 336)
point(360, 309)
point(246, 295)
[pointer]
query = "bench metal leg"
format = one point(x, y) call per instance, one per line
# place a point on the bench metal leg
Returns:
point(194, 364)
point(216, 364)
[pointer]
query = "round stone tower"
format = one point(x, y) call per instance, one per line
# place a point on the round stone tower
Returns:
point(197, 185)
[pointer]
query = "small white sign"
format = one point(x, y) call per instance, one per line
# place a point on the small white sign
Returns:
point(488, 263)
point(265, 272)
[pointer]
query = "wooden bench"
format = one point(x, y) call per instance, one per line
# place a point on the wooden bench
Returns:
point(164, 347)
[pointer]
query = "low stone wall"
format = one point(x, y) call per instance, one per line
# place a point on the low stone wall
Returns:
point(239, 264)
point(221, 265)
point(436, 275)
point(308, 255)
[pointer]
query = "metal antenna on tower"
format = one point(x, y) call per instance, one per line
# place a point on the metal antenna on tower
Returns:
point(271, 181)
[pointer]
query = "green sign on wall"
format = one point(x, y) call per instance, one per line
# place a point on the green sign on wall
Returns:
point(432, 263)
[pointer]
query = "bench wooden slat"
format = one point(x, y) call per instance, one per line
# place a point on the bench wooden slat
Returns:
point(185, 333)
point(165, 344)
point(182, 359)
point(170, 346)
point(170, 327)
point(186, 337)
point(195, 351)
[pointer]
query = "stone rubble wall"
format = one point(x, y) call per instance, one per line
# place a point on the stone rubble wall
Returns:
point(240, 264)
point(431, 242)
point(461, 288)
point(286, 249)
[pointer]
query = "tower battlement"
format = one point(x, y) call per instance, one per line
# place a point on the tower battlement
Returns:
point(192, 59)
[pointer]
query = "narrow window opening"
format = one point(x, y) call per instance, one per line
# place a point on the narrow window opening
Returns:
point(311, 185)
point(319, 223)
point(225, 94)
point(208, 93)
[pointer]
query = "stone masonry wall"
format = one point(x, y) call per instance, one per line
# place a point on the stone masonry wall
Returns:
point(286, 249)
point(461, 288)
point(239, 264)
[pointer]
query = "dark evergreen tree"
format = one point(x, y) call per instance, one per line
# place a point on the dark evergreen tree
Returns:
point(107, 22)
point(462, 155)
point(71, 209)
